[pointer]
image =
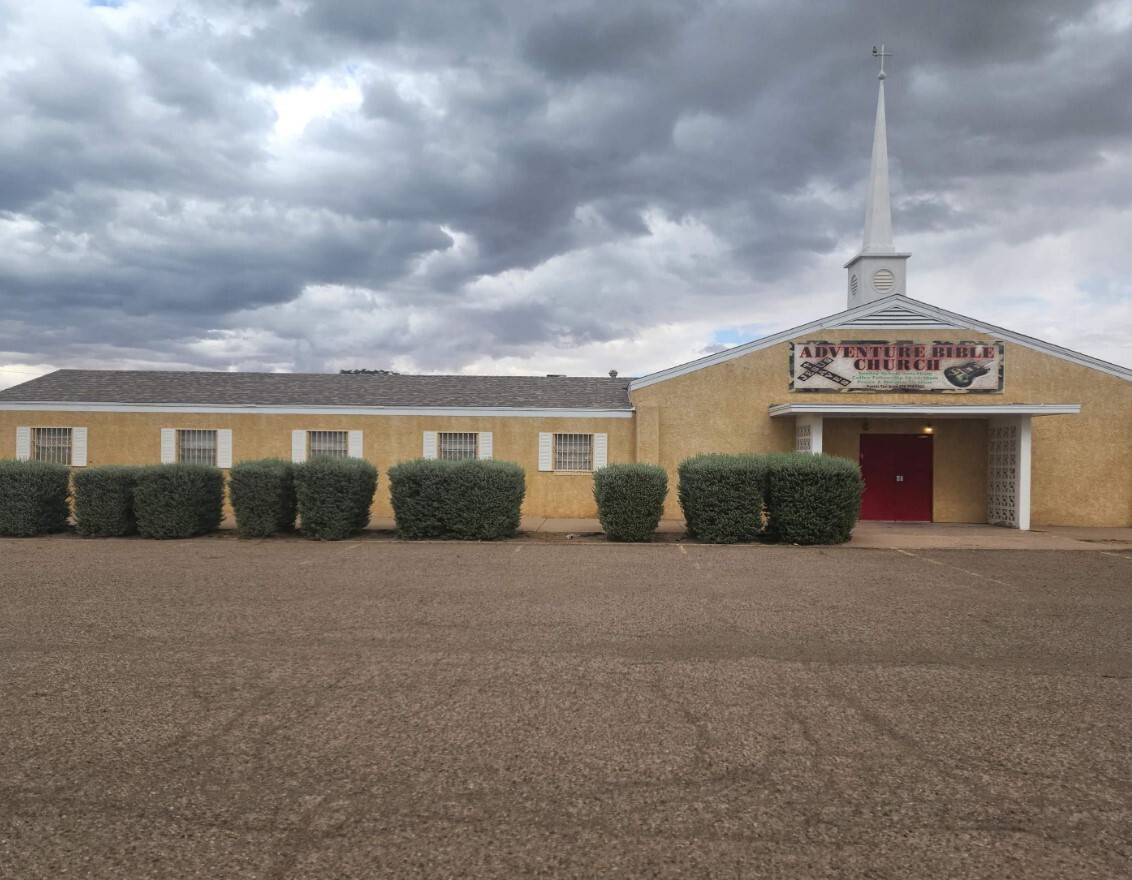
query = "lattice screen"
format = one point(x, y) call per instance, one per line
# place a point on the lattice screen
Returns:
point(803, 438)
point(1003, 443)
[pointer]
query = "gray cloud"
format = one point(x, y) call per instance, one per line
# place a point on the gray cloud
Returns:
point(510, 179)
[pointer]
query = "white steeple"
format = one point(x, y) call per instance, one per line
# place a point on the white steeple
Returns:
point(878, 270)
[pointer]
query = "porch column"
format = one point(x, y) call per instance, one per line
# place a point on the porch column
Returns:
point(807, 434)
point(1008, 472)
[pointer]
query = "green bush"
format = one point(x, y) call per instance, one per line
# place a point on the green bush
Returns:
point(104, 500)
point(178, 500)
point(630, 500)
point(722, 497)
point(812, 499)
point(468, 500)
point(262, 493)
point(334, 496)
point(33, 498)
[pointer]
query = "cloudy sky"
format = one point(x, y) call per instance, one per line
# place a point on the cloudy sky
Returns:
point(534, 186)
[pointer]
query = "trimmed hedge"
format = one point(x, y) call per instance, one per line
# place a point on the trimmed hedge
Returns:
point(178, 500)
point(262, 493)
point(630, 500)
point(33, 498)
point(334, 496)
point(104, 501)
point(722, 497)
point(476, 500)
point(812, 499)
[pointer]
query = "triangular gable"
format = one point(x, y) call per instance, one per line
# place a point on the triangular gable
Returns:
point(896, 312)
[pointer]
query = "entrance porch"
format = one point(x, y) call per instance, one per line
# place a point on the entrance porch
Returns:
point(980, 455)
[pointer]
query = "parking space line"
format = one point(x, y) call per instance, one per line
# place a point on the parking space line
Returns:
point(1117, 555)
point(956, 567)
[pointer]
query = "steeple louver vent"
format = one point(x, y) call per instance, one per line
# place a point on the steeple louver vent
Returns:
point(883, 280)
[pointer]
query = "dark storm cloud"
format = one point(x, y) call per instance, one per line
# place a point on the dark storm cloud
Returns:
point(145, 195)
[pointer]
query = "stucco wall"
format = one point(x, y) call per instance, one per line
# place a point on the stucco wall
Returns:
point(1082, 467)
point(135, 438)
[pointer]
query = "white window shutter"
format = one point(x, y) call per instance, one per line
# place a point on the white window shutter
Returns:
point(224, 448)
point(354, 444)
point(430, 444)
point(484, 445)
point(601, 451)
point(298, 446)
point(545, 452)
point(23, 443)
point(78, 447)
point(168, 445)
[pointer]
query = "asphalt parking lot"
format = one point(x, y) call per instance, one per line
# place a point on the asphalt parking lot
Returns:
point(286, 709)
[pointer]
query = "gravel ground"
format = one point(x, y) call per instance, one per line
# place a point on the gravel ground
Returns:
point(267, 709)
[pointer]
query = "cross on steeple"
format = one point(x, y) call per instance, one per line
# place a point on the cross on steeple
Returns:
point(881, 55)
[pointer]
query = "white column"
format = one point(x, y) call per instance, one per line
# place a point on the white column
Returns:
point(808, 434)
point(1025, 432)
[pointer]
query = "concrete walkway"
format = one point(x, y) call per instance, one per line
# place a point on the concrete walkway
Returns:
point(887, 535)
point(866, 536)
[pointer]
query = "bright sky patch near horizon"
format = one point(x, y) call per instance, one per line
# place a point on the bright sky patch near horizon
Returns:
point(569, 187)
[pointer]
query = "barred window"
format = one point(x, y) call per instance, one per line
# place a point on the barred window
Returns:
point(334, 444)
point(52, 444)
point(458, 446)
point(573, 452)
point(196, 447)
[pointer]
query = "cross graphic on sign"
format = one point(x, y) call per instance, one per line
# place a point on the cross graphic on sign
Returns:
point(811, 369)
point(819, 369)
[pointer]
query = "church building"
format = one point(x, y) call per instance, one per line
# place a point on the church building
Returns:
point(951, 419)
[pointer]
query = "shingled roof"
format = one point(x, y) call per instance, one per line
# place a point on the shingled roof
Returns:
point(320, 389)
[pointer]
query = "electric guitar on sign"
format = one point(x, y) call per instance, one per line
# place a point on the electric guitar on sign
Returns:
point(963, 375)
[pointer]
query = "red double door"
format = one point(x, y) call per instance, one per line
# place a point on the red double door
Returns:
point(898, 477)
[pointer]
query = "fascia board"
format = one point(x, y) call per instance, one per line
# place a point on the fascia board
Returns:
point(220, 409)
point(921, 409)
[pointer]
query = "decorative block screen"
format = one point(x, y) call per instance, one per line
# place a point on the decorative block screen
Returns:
point(803, 438)
point(1003, 443)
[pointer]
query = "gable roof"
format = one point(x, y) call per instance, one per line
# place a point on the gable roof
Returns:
point(193, 389)
point(898, 312)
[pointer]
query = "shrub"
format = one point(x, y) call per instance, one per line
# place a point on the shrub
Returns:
point(334, 496)
point(812, 499)
point(630, 500)
point(33, 498)
point(473, 500)
point(722, 497)
point(262, 493)
point(178, 500)
point(104, 501)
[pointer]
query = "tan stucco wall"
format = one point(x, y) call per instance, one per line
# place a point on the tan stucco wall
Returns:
point(135, 438)
point(1082, 466)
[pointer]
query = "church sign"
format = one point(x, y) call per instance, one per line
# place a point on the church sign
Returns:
point(895, 367)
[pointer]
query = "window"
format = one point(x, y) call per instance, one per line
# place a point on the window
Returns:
point(573, 452)
point(52, 444)
point(335, 444)
point(328, 444)
point(56, 445)
point(458, 446)
point(196, 447)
